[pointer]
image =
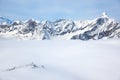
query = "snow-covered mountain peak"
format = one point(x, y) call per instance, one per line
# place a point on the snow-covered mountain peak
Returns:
point(5, 21)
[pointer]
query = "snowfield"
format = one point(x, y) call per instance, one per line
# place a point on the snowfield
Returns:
point(60, 60)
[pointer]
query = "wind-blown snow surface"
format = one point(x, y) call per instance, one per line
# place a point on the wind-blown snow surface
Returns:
point(60, 60)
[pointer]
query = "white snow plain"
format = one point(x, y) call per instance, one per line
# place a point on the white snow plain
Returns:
point(62, 60)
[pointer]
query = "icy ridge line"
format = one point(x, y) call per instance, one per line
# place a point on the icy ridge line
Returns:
point(31, 65)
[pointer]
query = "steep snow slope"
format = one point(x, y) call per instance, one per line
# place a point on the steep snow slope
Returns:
point(102, 27)
point(60, 60)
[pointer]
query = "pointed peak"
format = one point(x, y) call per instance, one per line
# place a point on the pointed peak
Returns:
point(104, 14)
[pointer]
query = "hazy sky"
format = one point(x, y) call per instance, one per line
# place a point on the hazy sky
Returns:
point(55, 9)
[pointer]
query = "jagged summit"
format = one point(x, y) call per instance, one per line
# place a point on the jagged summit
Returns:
point(104, 14)
point(65, 29)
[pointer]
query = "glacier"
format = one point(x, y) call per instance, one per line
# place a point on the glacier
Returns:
point(102, 27)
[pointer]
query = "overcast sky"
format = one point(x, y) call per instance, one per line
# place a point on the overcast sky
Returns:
point(55, 9)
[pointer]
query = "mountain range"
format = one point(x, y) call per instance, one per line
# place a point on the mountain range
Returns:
point(102, 27)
